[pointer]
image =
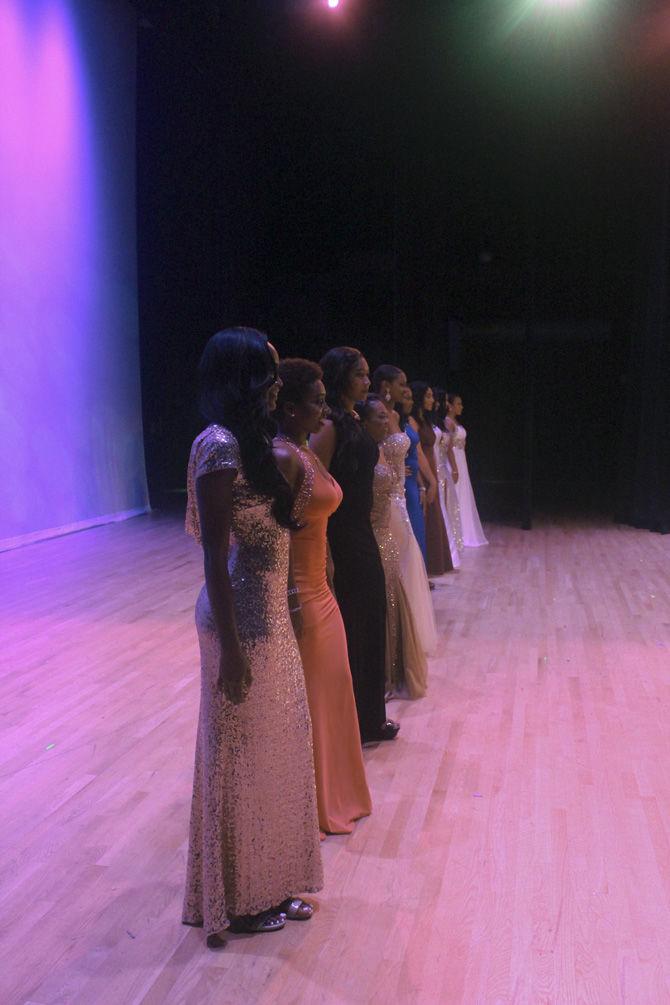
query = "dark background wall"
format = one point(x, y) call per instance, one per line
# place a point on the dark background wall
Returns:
point(469, 194)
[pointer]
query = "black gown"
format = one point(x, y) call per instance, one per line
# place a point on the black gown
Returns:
point(359, 574)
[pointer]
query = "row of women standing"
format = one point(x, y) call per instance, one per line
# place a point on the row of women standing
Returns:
point(279, 651)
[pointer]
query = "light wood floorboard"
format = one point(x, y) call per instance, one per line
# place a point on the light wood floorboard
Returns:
point(519, 850)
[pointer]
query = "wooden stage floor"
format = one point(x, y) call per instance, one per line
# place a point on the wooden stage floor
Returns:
point(519, 849)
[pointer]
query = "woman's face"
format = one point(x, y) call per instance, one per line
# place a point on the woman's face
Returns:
point(407, 401)
point(428, 400)
point(359, 380)
point(312, 410)
point(456, 408)
point(273, 389)
point(397, 388)
point(377, 421)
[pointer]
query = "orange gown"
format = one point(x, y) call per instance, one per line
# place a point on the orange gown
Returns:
point(341, 787)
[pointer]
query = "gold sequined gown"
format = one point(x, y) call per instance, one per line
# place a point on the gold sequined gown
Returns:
point(412, 565)
point(254, 835)
point(406, 667)
point(447, 492)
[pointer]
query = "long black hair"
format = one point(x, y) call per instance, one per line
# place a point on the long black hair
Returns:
point(440, 408)
point(365, 407)
point(337, 366)
point(235, 373)
point(419, 388)
point(400, 409)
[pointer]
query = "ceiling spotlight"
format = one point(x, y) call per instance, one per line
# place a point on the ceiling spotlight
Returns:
point(333, 4)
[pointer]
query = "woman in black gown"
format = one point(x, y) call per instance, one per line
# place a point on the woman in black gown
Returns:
point(350, 454)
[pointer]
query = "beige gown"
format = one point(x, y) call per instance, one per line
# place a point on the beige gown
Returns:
point(406, 667)
point(412, 565)
point(254, 837)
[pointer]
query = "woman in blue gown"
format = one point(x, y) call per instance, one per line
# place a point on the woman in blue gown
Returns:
point(412, 488)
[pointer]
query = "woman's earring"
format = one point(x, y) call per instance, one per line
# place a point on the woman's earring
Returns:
point(387, 396)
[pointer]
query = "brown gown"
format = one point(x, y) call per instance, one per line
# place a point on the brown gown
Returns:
point(406, 666)
point(438, 553)
point(254, 837)
point(341, 787)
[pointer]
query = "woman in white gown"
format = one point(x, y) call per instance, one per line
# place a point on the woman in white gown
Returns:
point(390, 383)
point(447, 476)
point(473, 534)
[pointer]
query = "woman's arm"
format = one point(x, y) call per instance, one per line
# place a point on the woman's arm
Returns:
point(293, 470)
point(323, 443)
point(451, 457)
point(214, 494)
point(427, 475)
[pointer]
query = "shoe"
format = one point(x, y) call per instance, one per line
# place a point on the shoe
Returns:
point(295, 909)
point(388, 731)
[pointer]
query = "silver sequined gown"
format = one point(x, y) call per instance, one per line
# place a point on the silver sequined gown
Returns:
point(254, 836)
point(406, 667)
point(412, 565)
point(448, 499)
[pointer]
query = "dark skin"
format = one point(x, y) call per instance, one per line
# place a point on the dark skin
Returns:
point(425, 471)
point(392, 393)
point(297, 420)
point(323, 442)
point(376, 423)
point(214, 494)
point(454, 412)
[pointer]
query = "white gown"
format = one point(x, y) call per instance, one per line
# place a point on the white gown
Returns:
point(447, 491)
point(473, 535)
point(412, 567)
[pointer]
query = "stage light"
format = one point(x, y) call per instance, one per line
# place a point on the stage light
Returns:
point(333, 4)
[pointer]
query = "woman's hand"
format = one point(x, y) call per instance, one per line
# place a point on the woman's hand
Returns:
point(431, 493)
point(408, 471)
point(454, 475)
point(234, 676)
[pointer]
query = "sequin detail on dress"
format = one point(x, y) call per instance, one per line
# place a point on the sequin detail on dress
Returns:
point(254, 838)
point(445, 484)
point(405, 658)
point(412, 565)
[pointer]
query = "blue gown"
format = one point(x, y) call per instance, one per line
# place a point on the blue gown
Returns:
point(414, 507)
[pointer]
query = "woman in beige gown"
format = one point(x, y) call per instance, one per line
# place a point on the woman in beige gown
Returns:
point(406, 666)
point(390, 384)
point(254, 837)
point(341, 787)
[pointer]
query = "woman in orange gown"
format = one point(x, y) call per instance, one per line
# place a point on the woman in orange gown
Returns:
point(341, 788)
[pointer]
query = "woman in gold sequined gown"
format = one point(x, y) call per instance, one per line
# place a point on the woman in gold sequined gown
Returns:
point(341, 787)
point(406, 667)
point(390, 384)
point(254, 837)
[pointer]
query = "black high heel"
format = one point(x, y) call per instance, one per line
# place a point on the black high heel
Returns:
point(388, 731)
